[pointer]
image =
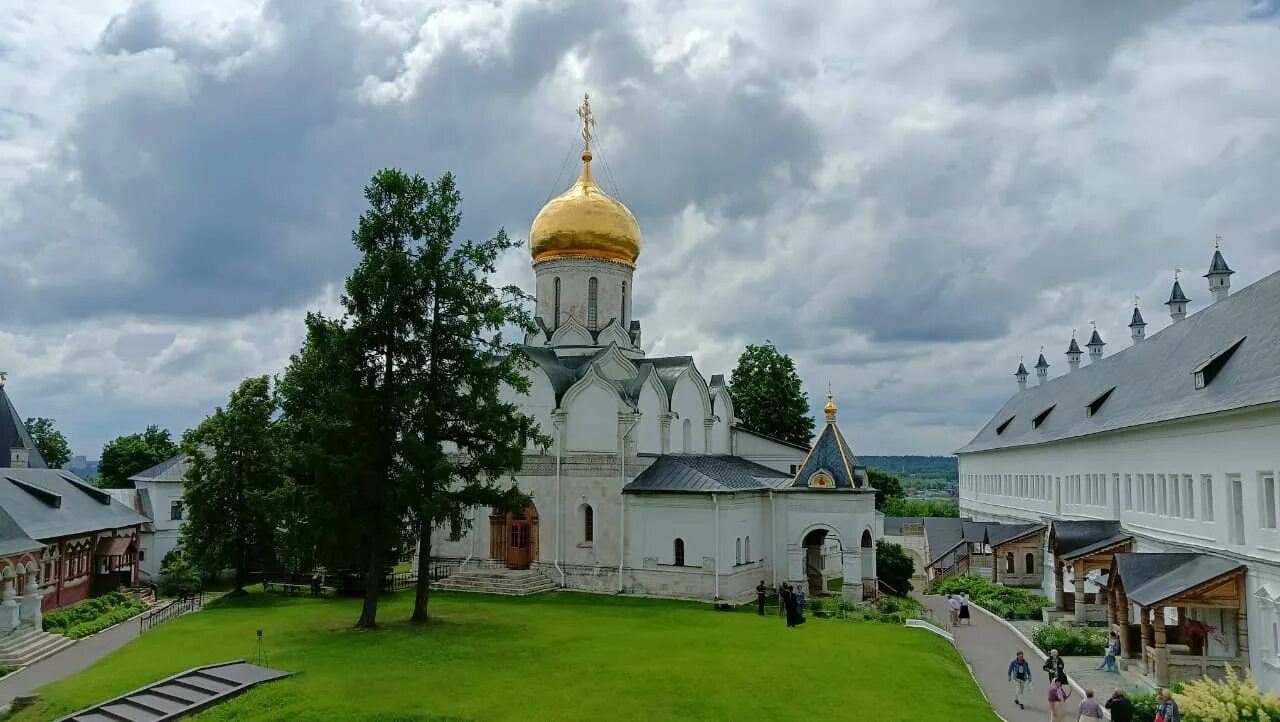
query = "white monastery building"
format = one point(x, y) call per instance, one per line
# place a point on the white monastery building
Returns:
point(1156, 469)
point(649, 486)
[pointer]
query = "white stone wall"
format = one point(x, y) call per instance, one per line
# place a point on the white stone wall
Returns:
point(1128, 475)
point(767, 452)
point(690, 406)
point(575, 275)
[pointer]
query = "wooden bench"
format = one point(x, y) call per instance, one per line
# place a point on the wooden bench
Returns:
point(291, 589)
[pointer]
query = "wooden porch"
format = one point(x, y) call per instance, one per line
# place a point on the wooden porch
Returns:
point(1084, 547)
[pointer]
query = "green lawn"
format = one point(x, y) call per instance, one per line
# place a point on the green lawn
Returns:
point(559, 656)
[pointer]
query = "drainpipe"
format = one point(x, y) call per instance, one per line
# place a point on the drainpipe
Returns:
point(622, 502)
point(773, 536)
point(555, 425)
point(716, 500)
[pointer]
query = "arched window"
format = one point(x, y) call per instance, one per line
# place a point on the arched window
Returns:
point(556, 319)
point(746, 554)
point(688, 436)
point(679, 552)
point(593, 293)
point(622, 314)
point(588, 523)
point(1031, 563)
point(1008, 563)
point(737, 551)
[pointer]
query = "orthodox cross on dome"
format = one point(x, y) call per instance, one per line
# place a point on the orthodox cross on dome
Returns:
point(588, 122)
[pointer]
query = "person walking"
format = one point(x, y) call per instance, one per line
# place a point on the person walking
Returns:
point(1166, 708)
point(1113, 651)
point(760, 590)
point(1090, 710)
point(1058, 695)
point(964, 609)
point(953, 605)
point(1056, 668)
point(1120, 706)
point(1020, 677)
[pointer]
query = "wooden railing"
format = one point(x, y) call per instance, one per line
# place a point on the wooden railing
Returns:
point(175, 608)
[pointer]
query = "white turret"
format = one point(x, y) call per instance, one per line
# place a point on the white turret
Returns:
point(1137, 327)
point(1178, 300)
point(1042, 368)
point(1095, 345)
point(1219, 274)
point(1022, 375)
point(1074, 353)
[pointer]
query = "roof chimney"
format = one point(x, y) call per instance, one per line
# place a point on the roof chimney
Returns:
point(1219, 274)
point(1022, 375)
point(1178, 300)
point(1137, 327)
point(1073, 353)
point(1042, 368)
point(1095, 345)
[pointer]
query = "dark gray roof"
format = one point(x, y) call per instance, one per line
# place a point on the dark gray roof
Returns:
point(13, 540)
point(1022, 369)
point(1041, 363)
point(831, 454)
point(705, 473)
point(1218, 266)
point(564, 372)
point(1149, 579)
point(1005, 533)
point(1137, 318)
point(1074, 347)
point(893, 524)
point(1153, 380)
point(1069, 537)
point(14, 435)
point(51, 503)
point(1095, 339)
point(1176, 295)
point(942, 535)
point(172, 469)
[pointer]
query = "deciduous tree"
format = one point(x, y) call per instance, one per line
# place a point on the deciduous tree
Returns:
point(767, 395)
point(887, 486)
point(893, 566)
point(49, 441)
point(125, 456)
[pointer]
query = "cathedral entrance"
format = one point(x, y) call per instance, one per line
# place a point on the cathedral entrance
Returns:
point(513, 538)
point(821, 549)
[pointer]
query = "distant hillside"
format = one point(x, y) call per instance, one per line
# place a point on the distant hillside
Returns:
point(916, 468)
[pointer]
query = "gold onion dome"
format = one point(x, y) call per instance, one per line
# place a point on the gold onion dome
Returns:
point(584, 221)
point(830, 408)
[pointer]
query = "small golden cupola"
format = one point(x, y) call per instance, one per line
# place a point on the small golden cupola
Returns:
point(584, 221)
point(830, 408)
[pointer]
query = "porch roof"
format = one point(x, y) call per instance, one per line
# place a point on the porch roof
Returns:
point(1152, 579)
point(116, 546)
point(1072, 535)
point(1005, 533)
point(1101, 545)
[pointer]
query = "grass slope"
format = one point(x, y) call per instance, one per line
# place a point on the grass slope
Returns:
point(560, 656)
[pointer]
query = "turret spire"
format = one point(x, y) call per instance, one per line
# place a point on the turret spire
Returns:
point(1178, 300)
point(1042, 368)
point(1137, 327)
point(1219, 274)
point(1021, 374)
point(1073, 352)
point(1095, 344)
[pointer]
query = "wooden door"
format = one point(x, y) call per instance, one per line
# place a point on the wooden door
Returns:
point(518, 546)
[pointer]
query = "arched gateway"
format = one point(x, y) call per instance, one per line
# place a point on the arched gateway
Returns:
point(513, 537)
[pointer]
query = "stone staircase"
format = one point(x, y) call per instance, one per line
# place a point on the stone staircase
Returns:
point(27, 646)
point(509, 582)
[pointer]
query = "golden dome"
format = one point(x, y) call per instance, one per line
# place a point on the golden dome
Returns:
point(585, 222)
point(830, 408)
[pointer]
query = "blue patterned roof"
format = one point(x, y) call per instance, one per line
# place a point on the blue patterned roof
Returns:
point(831, 454)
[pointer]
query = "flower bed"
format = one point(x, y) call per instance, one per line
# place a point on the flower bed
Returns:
point(889, 610)
point(1007, 602)
point(1232, 700)
point(92, 615)
point(1071, 641)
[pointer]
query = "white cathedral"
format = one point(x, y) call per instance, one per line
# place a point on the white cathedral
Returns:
point(649, 486)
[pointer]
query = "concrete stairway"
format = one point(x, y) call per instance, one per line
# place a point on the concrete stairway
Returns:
point(27, 646)
point(509, 582)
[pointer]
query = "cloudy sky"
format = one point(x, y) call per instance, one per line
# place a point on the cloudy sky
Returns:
point(905, 195)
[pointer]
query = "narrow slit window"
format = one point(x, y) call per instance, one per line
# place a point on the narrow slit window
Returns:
point(1040, 418)
point(1097, 403)
point(1004, 425)
point(593, 293)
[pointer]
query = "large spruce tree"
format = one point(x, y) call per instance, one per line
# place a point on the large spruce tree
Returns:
point(767, 395)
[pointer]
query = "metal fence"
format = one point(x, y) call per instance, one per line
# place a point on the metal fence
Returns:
point(173, 609)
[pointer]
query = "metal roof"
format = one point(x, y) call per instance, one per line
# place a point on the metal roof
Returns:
point(1137, 318)
point(13, 540)
point(51, 503)
point(1100, 545)
point(1069, 536)
point(1176, 295)
point(1005, 533)
point(1218, 266)
point(1154, 380)
point(705, 473)
point(941, 536)
point(831, 454)
point(893, 524)
point(1149, 579)
point(172, 469)
point(14, 435)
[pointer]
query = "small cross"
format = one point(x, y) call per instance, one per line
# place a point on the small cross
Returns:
point(588, 121)
point(1093, 325)
point(1176, 271)
point(1217, 241)
point(1135, 300)
point(1073, 333)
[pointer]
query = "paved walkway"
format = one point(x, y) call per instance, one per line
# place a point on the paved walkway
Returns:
point(988, 647)
point(69, 661)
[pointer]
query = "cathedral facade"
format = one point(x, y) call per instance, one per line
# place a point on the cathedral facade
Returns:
point(649, 486)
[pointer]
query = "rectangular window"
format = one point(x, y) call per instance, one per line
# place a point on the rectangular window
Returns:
point(175, 511)
point(1236, 490)
point(1141, 500)
point(1189, 495)
point(1151, 493)
point(1175, 496)
point(1128, 492)
point(1267, 504)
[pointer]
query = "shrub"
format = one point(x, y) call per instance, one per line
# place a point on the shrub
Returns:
point(177, 571)
point(1007, 602)
point(7, 670)
point(1233, 699)
point(1070, 641)
point(80, 620)
point(110, 619)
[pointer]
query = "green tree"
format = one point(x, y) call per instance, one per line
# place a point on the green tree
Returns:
point(50, 442)
point(893, 566)
point(767, 396)
point(887, 486)
point(464, 438)
point(921, 507)
point(125, 456)
point(235, 470)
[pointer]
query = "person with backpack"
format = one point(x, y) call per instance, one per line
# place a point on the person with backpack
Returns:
point(1020, 676)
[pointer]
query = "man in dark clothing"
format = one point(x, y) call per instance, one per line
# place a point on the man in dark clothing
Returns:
point(1056, 668)
point(1120, 706)
point(760, 590)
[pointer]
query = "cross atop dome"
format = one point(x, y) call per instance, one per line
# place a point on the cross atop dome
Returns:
point(588, 124)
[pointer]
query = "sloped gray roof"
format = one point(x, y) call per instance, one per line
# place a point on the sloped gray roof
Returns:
point(564, 372)
point(1137, 318)
point(14, 435)
point(942, 535)
point(1005, 533)
point(13, 540)
point(1071, 536)
point(172, 469)
point(1074, 347)
point(893, 524)
point(1095, 339)
point(1149, 579)
point(51, 503)
point(1218, 266)
point(1022, 370)
point(831, 453)
point(1153, 380)
point(705, 473)
point(1176, 295)
point(1041, 363)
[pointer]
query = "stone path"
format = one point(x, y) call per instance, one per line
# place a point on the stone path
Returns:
point(69, 661)
point(988, 647)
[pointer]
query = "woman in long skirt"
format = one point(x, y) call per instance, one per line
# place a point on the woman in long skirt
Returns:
point(964, 608)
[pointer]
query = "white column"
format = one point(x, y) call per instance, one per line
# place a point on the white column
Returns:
point(30, 606)
point(852, 589)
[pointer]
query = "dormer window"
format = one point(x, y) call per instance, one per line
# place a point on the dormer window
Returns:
point(1097, 403)
point(1207, 371)
point(1004, 425)
point(1039, 419)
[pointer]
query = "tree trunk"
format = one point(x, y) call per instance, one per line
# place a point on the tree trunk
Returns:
point(423, 592)
point(372, 588)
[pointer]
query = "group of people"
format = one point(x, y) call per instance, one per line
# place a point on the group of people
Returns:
point(1090, 709)
point(793, 600)
point(958, 604)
